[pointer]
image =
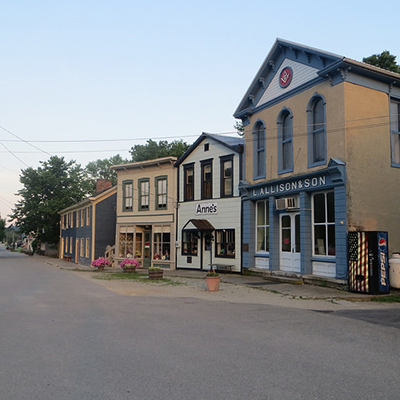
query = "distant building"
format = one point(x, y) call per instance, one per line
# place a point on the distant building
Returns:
point(88, 227)
point(322, 136)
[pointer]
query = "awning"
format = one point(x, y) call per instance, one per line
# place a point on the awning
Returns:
point(199, 224)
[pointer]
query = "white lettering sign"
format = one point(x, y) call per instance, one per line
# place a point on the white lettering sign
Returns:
point(206, 208)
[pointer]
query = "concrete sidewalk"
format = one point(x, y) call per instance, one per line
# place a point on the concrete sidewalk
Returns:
point(305, 291)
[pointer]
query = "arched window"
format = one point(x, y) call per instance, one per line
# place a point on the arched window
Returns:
point(285, 141)
point(259, 158)
point(316, 131)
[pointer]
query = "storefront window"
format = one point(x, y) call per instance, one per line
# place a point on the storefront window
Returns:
point(162, 245)
point(324, 224)
point(125, 244)
point(262, 226)
point(189, 242)
point(225, 243)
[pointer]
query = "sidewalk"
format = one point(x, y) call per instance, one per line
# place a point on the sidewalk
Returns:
point(304, 291)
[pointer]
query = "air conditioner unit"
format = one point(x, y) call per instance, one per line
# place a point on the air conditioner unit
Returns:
point(286, 203)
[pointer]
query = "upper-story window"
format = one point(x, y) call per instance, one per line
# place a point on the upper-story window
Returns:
point(82, 217)
point(316, 131)
point(161, 192)
point(88, 216)
point(259, 158)
point(144, 194)
point(395, 131)
point(127, 195)
point(206, 179)
point(285, 141)
point(226, 176)
point(188, 172)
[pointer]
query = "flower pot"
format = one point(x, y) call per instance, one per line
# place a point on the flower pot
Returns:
point(156, 274)
point(100, 268)
point(212, 283)
point(129, 269)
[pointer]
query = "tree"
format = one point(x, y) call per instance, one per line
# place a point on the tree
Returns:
point(153, 150)
point(100, 169)
point(55, 185)
point(239, 128)
point(2, 229)
point(384, 60)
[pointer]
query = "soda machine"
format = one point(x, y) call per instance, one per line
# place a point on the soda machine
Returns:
point(368, 268)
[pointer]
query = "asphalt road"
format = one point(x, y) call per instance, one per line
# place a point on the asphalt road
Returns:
point(65, 337)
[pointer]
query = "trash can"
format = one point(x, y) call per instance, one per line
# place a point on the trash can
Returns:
point(394, 271)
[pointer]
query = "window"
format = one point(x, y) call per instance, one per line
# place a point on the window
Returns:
point(206, 146)
point(82, 217)
point(395, 131)
point(70, 244)
point(206, 179)
point(66, 244)
point(324, 224)
point(285, 141)
point(189, 242)
point(316, 131)
point(161, 192)
point(262, 218)
point(127, 196)
point(81, 250)
point(77, 219)
point(144, 194)
point(189, 182)
point(225, 243)
point(161, 243)
point(259, 157)
point(87, 248)
point(71, 218)
point(88, 216)
point(227, 176)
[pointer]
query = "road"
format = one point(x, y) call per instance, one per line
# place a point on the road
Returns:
point(65, 337)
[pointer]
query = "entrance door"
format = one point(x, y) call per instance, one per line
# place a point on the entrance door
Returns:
point(290, 242)
point(207, 246)
point(147, 249)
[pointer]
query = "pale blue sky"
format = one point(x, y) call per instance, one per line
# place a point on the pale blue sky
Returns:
point(97, 70)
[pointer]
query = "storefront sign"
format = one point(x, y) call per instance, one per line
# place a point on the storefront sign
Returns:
point(206, 208)
point(290, 186)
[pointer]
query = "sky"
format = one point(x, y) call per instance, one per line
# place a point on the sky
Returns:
point(86, 80)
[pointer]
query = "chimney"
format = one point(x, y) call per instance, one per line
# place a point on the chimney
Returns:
point(102, 184)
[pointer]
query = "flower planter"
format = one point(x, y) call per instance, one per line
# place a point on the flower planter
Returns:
point(212, 283)
point(100, 268)
point(129, 269)
point(156, 274)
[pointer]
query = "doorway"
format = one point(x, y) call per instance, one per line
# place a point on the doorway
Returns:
point(290, 242)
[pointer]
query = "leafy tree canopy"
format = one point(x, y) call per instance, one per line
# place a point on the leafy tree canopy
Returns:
point(384, 60)
point(239, 128)
point(53, 186)
point(100, 169)
point(153, 150)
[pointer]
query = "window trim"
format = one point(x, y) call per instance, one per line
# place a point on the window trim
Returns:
point(126, 183)
point(311, 131)
point(225, 243)
point(186, 168)
point(156, 181)
point(204, 164)
point(285, 114)
point(142, 196)
point(193, 232)
point(222, 161)
point(266, 226)
point(259, 153)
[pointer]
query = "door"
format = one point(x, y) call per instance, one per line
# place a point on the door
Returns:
point(147, 249)
point(290, 242)
point(207, 246)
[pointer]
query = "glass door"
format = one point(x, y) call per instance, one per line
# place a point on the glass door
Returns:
point(290, 242)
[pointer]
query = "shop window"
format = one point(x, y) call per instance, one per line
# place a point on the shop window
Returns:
point(127, 196)
point(189, 182)
point(189, 242)
point(161, 192)
point(82, 248)
point(226, 176)
point(66, 244)
point(125, 243)
point(395, 131)
point(324, 224)
point(259, 157)
point(87, 248)
point(262, 218)
point(285, 141)
point(225, 243)
point(316, 131)
point(71, 245)
point(161, 244)
point(206, 179)
point(144, 194)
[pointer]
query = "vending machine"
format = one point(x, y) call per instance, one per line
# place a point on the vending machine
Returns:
point(368, 268)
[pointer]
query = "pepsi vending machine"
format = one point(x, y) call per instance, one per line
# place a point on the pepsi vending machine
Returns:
point(368, 262)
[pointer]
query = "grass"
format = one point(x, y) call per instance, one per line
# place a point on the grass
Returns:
point(387, 299)
point(138, 277)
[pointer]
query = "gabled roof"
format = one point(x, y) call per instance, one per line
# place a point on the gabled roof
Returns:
point(310, 66)
point(144, 164)
point(231, 142)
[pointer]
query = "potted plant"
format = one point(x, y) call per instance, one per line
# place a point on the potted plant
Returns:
point(155, 273)
point(130, 264)
point(212, 281)
point(100, 263)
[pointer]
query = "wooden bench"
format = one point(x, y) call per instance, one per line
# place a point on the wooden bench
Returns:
point(221, 267)
point(67, 258)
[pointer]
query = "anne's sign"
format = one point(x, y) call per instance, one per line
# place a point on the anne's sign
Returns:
point(206, 208)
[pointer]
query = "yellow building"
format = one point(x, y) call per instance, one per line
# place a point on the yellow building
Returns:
point(322, 158)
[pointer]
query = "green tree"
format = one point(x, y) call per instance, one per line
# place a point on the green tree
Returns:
point(55, 185)
point(2, 229)
point(153, 150)
point(384, 60)
point(239, 128)
point(100, 169)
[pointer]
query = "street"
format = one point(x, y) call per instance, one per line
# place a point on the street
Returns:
point(65, 337)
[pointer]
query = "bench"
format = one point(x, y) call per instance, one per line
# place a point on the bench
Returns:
point(67, 258)
point(221, 267)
